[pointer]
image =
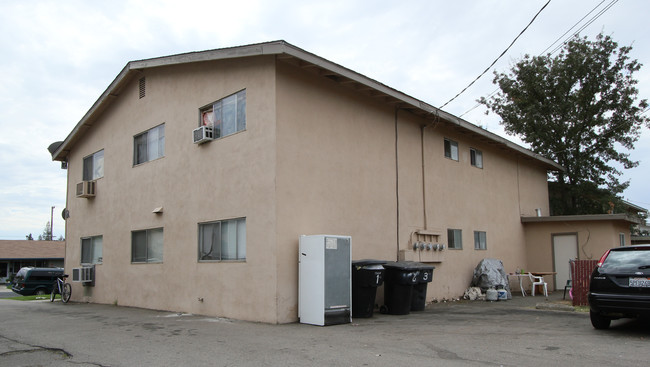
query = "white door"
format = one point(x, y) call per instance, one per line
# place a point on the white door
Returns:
point(565, 248)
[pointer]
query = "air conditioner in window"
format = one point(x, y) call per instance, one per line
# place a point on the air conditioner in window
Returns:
point(202, 134)
point(85, 274)
point(86, 189)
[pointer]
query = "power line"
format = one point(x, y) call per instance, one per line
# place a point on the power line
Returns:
point(497, 59)
point(583, 27)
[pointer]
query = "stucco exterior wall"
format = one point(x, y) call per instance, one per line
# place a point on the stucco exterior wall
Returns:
point(339, 173)
point(227, 178)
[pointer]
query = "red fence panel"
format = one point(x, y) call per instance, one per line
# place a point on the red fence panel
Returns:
point(580, 275)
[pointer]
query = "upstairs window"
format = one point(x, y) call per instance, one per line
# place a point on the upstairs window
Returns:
point(476, 158)
point(149, 145)
point(94, 166)
point(91, 250)
point(227, 115)
point(451, 149)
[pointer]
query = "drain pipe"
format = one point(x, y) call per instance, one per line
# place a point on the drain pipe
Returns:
point(396, 186)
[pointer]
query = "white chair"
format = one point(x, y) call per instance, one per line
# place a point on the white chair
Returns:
point(538, 281)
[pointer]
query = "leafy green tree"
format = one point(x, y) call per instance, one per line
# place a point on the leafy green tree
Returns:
point(578, 108)
point(29, 237)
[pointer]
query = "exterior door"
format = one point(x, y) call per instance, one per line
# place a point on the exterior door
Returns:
point(565, 248)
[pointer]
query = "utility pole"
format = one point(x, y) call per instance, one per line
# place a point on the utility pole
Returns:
point(52, 224)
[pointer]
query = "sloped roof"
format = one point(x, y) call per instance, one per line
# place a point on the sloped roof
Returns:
point(286, 52)
point(22, 249)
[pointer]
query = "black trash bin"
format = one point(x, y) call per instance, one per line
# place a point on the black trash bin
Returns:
point(399, 279)
point(419, 294)
point(367, 275)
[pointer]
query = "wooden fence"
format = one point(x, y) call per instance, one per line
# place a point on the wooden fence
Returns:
point(580, 276)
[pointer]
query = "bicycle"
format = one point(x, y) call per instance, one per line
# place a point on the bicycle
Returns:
point(61, 287)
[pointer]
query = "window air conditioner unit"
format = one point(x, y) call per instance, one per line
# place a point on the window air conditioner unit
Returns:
point(84, 274)
point(202, 134)
point(86, 189)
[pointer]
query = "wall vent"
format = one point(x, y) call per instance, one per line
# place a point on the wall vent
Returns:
point(143, 87)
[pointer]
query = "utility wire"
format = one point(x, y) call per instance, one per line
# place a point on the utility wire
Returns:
point(589, 22)
point(497, 59)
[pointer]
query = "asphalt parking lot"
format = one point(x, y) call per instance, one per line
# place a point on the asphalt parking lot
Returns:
point(504, 333)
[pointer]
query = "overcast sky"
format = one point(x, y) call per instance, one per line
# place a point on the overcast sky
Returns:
point(59, 56)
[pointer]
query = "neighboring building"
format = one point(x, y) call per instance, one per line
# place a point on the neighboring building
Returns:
point(302, 146)
point(20, 253)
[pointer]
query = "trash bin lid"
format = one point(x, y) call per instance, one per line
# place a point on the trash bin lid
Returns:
point(423, 266)
point(366, 262)
point(402, 265)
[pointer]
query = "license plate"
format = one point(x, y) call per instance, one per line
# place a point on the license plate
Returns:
point(640, 282)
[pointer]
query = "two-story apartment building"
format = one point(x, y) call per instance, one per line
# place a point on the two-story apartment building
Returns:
point(301, 145)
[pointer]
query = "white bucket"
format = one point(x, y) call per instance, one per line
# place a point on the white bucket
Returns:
point(503, 294)
point(491, 295)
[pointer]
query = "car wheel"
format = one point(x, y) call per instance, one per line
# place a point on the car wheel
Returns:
point(40, 292)
point(598, 321)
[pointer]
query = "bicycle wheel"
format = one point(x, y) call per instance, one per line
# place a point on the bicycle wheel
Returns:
point(53, 294)
point(66, 292)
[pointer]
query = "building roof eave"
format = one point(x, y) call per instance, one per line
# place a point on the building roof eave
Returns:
point(290, 53)
point(582, 218)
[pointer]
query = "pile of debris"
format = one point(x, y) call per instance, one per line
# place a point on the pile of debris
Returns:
point(490, 282)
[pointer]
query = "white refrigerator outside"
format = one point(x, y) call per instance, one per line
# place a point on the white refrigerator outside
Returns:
point(325, 289)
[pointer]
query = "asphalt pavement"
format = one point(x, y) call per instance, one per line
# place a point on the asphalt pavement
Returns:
point(524, 331)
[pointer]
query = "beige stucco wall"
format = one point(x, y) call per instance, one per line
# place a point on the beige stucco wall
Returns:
point(316, 158)
point(594, 238)
point(337, 174)
point(228, 178)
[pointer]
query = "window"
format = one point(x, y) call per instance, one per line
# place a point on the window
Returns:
point(94, 166)
point(222, 240)
point(451, 149)
point(149, 145)
point(476, 158)
point(91, 250)
point(227, 116)
point(455, 239)
point(480, 240)
point(147, 246)
point(621, 239)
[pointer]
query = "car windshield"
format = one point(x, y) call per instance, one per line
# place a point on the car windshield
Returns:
point(629, 261)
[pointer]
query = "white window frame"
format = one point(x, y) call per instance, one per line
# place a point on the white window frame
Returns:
point(226, 116)
point(454, 239)
point(149, 145)
point(451, 149)
point(476, 157)
point(222, 240)
point(621, 239)
point(153, 245)
point(480, 240)
point(93, 166)
point(91, 249)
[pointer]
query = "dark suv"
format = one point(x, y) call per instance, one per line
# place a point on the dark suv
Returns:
point(39, 281)
point(620, 285)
